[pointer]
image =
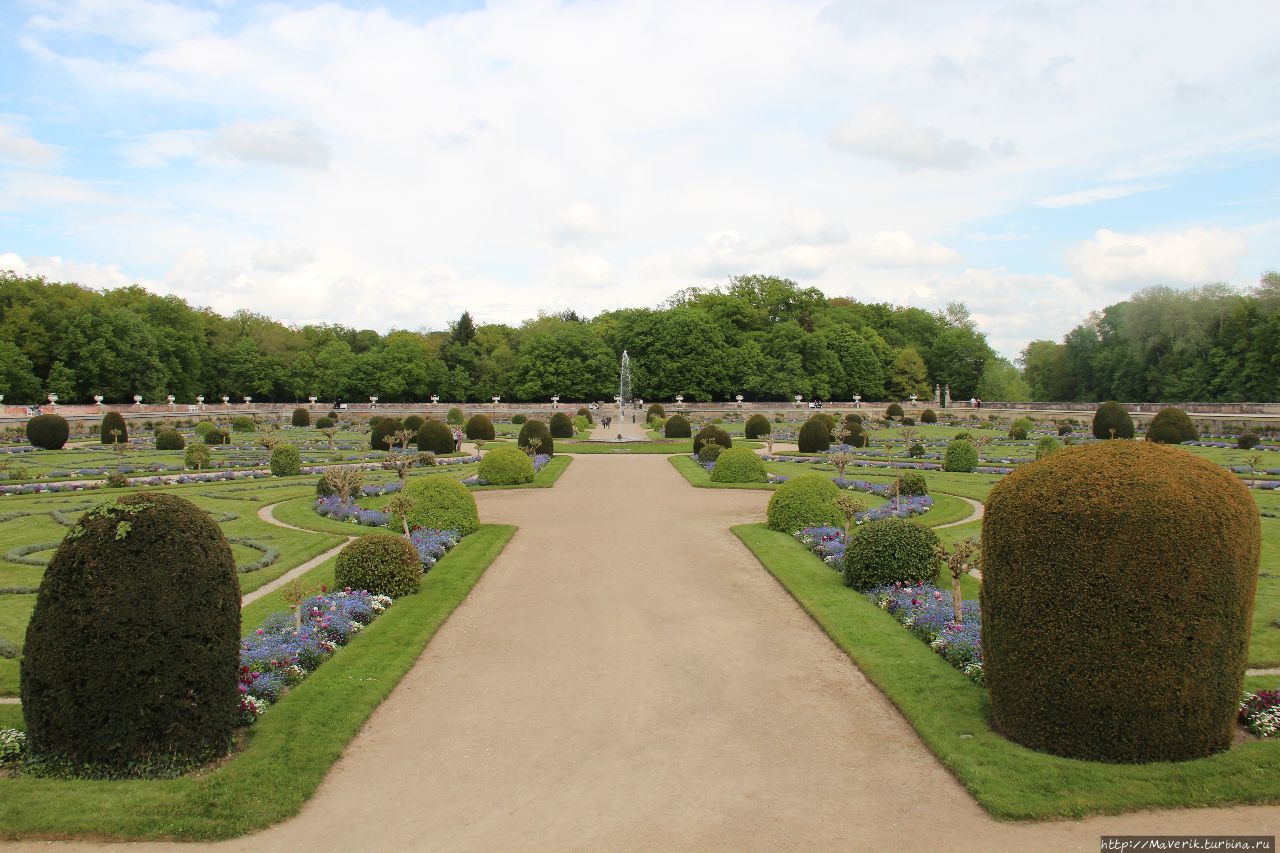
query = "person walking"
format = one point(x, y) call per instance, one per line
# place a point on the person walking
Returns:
point(457, 440)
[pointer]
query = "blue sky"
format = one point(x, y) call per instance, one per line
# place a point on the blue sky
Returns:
point(392, 164)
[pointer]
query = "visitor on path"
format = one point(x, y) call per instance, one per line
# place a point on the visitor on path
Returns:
point(979, 402)
point(973, 402)
point(457, 440)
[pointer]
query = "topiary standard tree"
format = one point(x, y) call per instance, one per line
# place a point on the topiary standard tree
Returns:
point(286, 461)
point(301, 417)
point(960, 456)
point(893, 411)
point(814, 437)
point(1117, 593)
point(536, 429)
point(441, 503)
point(1112, 420)
point(111, 423)
point(132, 655)
point(739, 465)
point(888, 551)
point(1172, 426)
point(384, 429)
point(928, 416)
point(804, 501)
point(414, 422)
point(435, 437)
point(708, 434)
point(677, 426)
point(757, 426)
point(170, 439)
point(561, 426)
point(479, 428)
point(506, 466)
point(380, 564)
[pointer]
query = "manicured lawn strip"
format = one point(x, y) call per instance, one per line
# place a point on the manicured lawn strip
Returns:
point(15, 612)
point(288, 751)
point(1011, 782)
point(11, 717)
point(1264, 642)
point(544, 479)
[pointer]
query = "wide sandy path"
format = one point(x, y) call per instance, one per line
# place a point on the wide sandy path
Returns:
point(627, 677)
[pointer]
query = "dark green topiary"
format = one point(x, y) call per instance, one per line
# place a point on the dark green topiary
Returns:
point(506, 466)
point(48, 432)
point(1118, 585)
point(961, 456)
point(217, 436)
point(479, 428)
point(441, 503)
point(710, 452)
point(853, 418)
point(654, 411)
point(586, 413)
point(301, 417)
point(711, 433)
point(132, 654)
point(325, 423)
point(1172, 426)
point(893, 411)
point(518, 419)
point(1112, 420)
point(1064, 429)
point(757, 426)
point(384, 429)
point(454, 416)
point(889, 551)
point(561, 426)
point(677, 426)
point(286, 461)
point(113, 421)
point(815, 436)
point(243, 423)
point(1247, 440)
point(414, 422)
point(912, 483)
point(928, 416)
point(739, 465)
point(435, 437)
point(804, 501)
point(170, 439)
point(534, 428)
point(380, 564)
point(856, 436)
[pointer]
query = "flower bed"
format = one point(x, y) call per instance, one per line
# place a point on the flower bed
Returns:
point(926, 612)
point(339, 510)
point(1260, 712)
point(431, 545)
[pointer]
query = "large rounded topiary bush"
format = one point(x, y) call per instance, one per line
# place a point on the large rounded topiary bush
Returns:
point(1112, 420)
point(384, 429)
point(479, 428)
point(561, 426)
point(325, 423)
point(1118, 585)
point(815, 436)
point(654, 411)
point(132, 655)
point(757, 426)
point(414, 422)
point(217, 436)
point(243, 423)
point(893, 411)
point(1172, 426)
point(739, 465)
point(889, 551)
point(1021, 428)
point(380, 564)
point(301, 417)
point(113, 422)
point(534, 428)
point(170, 439)
point(586, 413)
point(506, 466)
point(435, 437)
point(805, 501)
point(960, 455)
point(1247, 440)
point(677, 426)
point(286, 461)
point(441, 503)
point(710, 434)
point(48, 432)
point(928, 416)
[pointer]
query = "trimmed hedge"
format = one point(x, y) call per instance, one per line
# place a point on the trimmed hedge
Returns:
point(441, 503)
point(1118, 586)
point(561, 426)
point(113, 421)
point(414, 422)
point(301, 417)
point(534, 428)
point(711, 433)
point(479, 428)
point(48, 432)
point(1112, 416)
point(385, 428)
point(1172, 426)
point(654, 411)
point(928, 416)
point(893, 411)
point(757, 426)
point(804, 501)
point(506, 466)
point(170, 439)
point(815, 436)
point(961, 456)
point(286, 461)
point(383, 565)
point(435, 437)
point(888, 551)
point(519, 419)
point(739, 465)
point(677, 426)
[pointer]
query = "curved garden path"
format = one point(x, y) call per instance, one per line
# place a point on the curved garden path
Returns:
point(626, 676)
point(267, 514)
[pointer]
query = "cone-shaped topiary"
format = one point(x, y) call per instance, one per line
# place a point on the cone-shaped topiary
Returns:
point(170, 439)
point(383, 430)
point(1112, 420)
point(301, 417)
point(739, 465)
point(534, 428)
point(928, 416)
point(757, 426)
point(893, 411)
point(380, 564)
point(677, 426)
point(479, 428)
point(888, 551)
point(414, 422)
point(435, 437)
point(804, 501)
point(561, 426)
point(132, 655)
point(454, 416)
point(48, 432)
point(960, 456)
point(324, 423)
point(1117, 593)
point(815, 436)
point(1172, 426)
point(441, 503)
point(654, 411)
point(506, 466)
point(286, 461)
point(586, 413)
point(113, 421)
point(711, 433)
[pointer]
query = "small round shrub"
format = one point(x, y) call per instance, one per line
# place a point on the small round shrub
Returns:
point(435, 437)
point(170, 439)
point(961, 456)
point(204, 428)
point(1247, 440)
point(1021, 428)
point(48, 432)
point(535, 428)
point(677, 426)
point(1064, 429)
point(506, 466)
point(962, 435)
point(893, 411)
point(442, 503)
point(479, 428)
point(380, 564)
point(804, 501)
point(1046, 445)
point(561, 426)
point(518, 419)
point(912, 483)
point(709, 434)
point(907, 420)
point(243, 423)
point(197, 456)
point(709, 453)
point(301, 417)
point(654, 411)
point(738, 465)
point(1172, 426)
point(1112, 420)
point(286, 461)
point(114, 421)
point(757, 426)
point(385, 429)
point(853, 418)
point(658, 424)
point(1118, 583)
point(889, 551)
point(928, 416)
point(815, 436)
point(132, 655)
point(586, 413)
point(414, 422)
point(454, 416)
point(217, 436)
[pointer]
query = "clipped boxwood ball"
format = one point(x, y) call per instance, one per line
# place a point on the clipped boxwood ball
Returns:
point(708, 434)
point(301, 417)
point(534, 428)
point(1021, 428)
point(384, 429)
point(757, 426)
point(889, 551)
point(204, 428)
point(654, 411)
point(893, 411)
point(677, 426)
point(739, 465)
point(442, 503)
point(132, 655)
point(561, 426)
point(1118, 586)
point(1112, 420)
point(48, 432)
point(479, 428)
point(113, 421)
point(414, 422)
point(286, 461)
point(804, 501)
point(815, 436)
point(170, 439)
point(435, 437)
point(380, 564)
point(1046, 445)
point(1172, 426)
point(928, 416)
point(710, 452)
point(506, 466)
point(960, 455)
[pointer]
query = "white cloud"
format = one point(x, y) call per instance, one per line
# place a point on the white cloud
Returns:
point(18, 146)
point(281, 257)
point(278, 142)
point(885, 134)
point(900, 249)
point(1190, 257)
point(54, 268)
point(163, 148)
point(582, 271)
point(1080, 198)
point(581, 224)
point(131, 22)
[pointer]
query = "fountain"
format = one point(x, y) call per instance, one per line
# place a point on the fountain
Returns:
point(624, 387)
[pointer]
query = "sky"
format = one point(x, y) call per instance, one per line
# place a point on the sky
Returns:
point(390, 165)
